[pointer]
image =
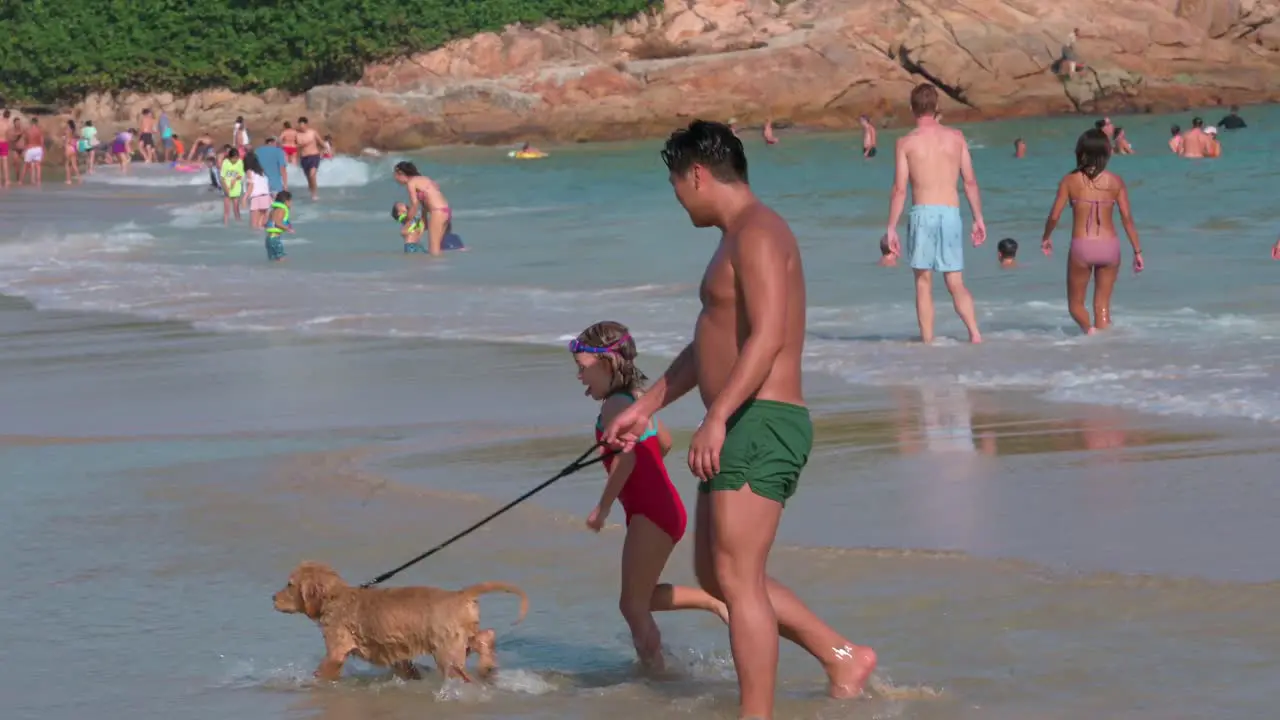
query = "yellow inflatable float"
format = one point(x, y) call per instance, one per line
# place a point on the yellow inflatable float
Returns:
point(526, 154)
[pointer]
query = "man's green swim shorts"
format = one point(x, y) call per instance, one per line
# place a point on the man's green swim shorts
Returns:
point(766, 445)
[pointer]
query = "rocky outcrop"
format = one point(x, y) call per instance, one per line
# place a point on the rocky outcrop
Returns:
point(817, 63)
point(813, 62)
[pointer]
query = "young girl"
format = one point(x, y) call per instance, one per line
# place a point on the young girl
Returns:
point(1093, 192)
point(232, 172)
point(327, 148)
point(257, 190)
point(605, 355)
point(240, 137)
point(70, 151)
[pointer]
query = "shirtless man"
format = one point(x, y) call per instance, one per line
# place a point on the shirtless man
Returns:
point(1195, 143)
point(932, 158)
point(33, 153)
point(6, 140)
point(147, 136)
point(1019, 148)
point(757, 435)
point(289, 143)
point(308, 153)
point(868, 137)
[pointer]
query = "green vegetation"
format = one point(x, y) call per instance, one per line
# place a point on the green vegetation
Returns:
point(60, 50)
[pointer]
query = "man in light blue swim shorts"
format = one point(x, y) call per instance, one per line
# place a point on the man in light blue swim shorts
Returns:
point(932, 158)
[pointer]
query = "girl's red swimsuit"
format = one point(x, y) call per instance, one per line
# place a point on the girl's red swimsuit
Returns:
point(649, 491)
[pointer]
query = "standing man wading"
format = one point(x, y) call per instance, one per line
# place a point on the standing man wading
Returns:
point(932, 158)
point(308, 153)
point(757, 435)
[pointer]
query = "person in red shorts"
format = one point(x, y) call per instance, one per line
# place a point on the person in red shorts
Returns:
point(605, 355)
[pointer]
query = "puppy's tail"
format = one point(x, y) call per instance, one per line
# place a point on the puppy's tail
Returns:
point(492, 587)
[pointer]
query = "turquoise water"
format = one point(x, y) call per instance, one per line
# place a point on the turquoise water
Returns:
point(594, 232)
point(186, 422)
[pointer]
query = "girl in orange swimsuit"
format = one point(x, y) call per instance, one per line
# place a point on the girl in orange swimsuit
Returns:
point(605, 355)
point(1092, 192)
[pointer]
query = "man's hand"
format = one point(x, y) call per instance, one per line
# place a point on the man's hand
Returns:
point(626, 428)
point(704, 449)
point(1275, 251)
point(895, 245)
point(979, 233)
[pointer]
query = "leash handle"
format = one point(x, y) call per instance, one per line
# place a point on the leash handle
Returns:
point(569, 469)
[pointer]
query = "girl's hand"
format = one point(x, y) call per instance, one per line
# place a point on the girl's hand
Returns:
point(1046, 246)
point(595, 521)
point(1137, 263)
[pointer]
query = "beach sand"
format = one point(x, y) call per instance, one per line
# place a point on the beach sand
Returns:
point(1007, 557)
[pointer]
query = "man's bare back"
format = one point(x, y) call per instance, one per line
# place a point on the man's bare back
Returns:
point(35, 136)
point(722, 328)
point(934, 156)
point(1195, 143)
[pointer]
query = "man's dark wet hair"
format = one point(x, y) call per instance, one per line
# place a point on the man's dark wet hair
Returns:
point(1007, 248)
point(1235, 108)
point(712, 145)
point(1197, 122)
point(1100, 124)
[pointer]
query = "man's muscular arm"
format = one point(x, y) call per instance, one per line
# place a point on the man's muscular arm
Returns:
point(760, 263)
point(679, 379)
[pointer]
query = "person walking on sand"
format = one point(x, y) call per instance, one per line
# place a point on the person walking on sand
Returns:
point(868, 137)
point(605, 354)
point(757, 435)
point(1092, 191)
point(308, 154)
point(931, 159)
point(426, 198)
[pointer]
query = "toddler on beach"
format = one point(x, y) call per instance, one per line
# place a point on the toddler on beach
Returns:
point(655, 515)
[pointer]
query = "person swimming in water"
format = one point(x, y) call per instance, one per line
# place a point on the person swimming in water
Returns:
point(1007, 252)
point(1093, 192)
point(888, 258)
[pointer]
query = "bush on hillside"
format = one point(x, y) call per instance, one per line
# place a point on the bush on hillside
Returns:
point(60, 50)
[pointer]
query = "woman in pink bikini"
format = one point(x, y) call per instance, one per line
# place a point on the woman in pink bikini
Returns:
point(1095, 247)
point(425, 195)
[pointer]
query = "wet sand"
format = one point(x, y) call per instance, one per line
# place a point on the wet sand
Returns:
point(1008, 558)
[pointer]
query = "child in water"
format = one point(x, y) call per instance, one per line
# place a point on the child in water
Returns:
point(277, 223)
point(411, 232)
point(411, 229)
point(1007, 251)
point(605, 355)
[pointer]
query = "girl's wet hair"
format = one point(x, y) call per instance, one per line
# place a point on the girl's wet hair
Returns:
point(621, 358)
point(1093, 150)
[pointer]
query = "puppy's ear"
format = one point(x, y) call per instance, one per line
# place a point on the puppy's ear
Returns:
point(313, 593)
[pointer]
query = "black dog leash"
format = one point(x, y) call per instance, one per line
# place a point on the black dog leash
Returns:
point(575, 466)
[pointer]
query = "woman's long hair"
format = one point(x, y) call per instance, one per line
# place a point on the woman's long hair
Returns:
point(252, 164)
point(407, 169)
point(1093, 150)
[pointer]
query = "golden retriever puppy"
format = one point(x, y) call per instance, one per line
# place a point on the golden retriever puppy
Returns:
point(392, 626)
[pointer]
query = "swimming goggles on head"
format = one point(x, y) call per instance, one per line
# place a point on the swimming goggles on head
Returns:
point(577, 346)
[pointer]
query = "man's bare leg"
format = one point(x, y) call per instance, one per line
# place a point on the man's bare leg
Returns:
point(963, 301)
point(924, 304)
point(311, 183)
point(733, 534)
